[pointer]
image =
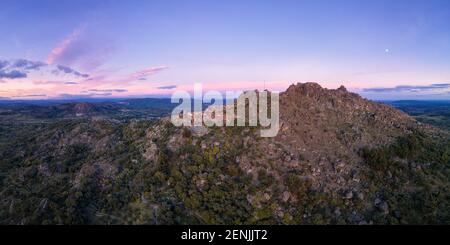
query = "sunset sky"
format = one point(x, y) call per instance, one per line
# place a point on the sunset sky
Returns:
point(383, 49)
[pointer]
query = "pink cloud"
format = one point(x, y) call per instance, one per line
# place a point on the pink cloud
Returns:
point(61, 50)
point(241, 86)
point(149, 71)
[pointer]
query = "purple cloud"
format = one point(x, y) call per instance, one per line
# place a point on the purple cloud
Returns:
point(69, 70)
point(18, 68)
point(410, 88)
point(81, 96)
point(167, 87)
point(28, 65)
point(30, 95)
point(3, 64)
point(108, 90)
point(54, 82)
point(149, 71)
point(14, 74)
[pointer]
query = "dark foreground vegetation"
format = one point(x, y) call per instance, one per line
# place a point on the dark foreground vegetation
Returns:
point(413, 176)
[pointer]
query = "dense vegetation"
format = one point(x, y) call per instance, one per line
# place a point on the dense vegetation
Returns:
point(413, 176)
point(91, 170)
point(38, 185)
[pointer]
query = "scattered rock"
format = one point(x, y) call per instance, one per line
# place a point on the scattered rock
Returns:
point(199, 131)
point(337, 212)
point(286, 196)
point(377, 202)
point(384, 207)
point(355, 218)
point(349, 195)
point(360, 196)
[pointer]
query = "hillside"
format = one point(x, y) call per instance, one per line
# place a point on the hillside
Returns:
point(338, 159)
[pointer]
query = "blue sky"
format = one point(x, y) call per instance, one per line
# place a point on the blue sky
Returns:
point(383, 49)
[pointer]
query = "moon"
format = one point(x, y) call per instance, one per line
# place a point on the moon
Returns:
point(387, 50)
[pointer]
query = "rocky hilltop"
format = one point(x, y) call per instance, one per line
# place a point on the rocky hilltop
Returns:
point(316, 114)
point(338, 159)
point(327, 126)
